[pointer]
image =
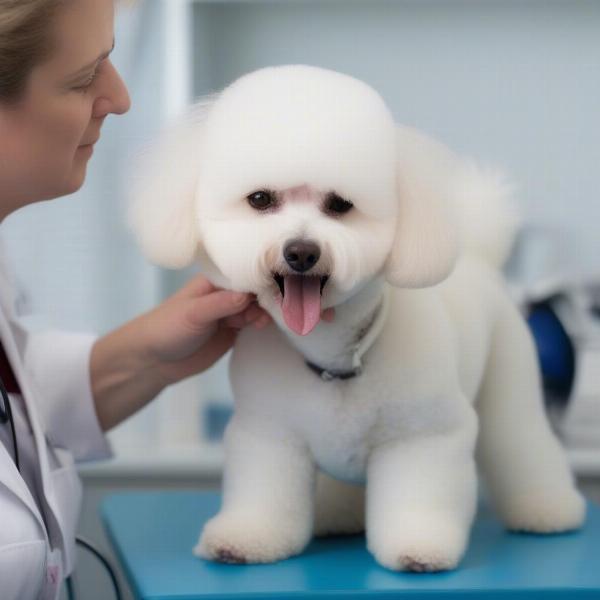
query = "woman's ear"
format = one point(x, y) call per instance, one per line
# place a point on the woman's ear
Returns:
point(425, 247)
point(162, 199)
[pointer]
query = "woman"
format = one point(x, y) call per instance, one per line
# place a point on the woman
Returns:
point(57, 85)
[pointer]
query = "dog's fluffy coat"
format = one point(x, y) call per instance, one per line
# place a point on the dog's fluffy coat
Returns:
point(452, 376)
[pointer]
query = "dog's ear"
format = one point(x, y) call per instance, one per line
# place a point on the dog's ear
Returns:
point(162, 197)
point(425, 247)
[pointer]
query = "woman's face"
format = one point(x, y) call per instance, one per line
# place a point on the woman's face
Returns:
point(48, 136)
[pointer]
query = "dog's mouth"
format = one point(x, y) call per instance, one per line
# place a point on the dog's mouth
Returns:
point(301, 300)
point(280, 281)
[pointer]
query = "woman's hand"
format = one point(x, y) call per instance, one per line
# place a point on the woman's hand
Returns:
point(182, 336)
point(193, 328)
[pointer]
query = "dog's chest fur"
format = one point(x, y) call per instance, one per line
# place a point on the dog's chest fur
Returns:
point(341, 421)
point(340, 429)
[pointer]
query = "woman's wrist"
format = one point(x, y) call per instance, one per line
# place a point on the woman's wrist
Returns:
point(183, 336)
point(124, 374)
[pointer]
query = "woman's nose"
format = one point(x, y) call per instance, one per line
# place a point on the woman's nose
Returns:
point(113, 97)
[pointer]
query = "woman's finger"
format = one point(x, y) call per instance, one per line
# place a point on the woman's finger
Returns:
point(218, 305)
point(328, 315)
point(235, 321)
point(252, 313)
point(262, 321)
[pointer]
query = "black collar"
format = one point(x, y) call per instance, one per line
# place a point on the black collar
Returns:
point(326, 375)
point(360, 347)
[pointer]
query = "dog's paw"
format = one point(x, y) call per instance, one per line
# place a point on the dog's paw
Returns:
point(246, 539)
point(423, 544)
point(541, 511)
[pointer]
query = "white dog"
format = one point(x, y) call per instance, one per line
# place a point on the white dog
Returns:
point(296, 185)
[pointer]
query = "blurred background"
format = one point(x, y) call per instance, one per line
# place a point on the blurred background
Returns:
point(515, 83)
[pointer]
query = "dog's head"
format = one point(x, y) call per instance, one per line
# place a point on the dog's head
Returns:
point(295, 184)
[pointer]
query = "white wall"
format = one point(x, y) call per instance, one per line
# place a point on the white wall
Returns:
point(513, 82)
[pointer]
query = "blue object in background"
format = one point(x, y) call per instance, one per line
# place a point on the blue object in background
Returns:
point(154, 533)
point(215, 418)
point(555, 350)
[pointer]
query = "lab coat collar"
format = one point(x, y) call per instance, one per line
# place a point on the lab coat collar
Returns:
point(9, 475)
point(13, 338)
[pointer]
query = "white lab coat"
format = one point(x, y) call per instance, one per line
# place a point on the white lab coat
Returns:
point(37, 543)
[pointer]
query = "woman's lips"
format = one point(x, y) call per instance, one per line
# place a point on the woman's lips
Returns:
point(90, 143)
point(87, 149)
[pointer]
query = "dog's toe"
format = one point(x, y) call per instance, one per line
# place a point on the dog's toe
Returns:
point(538, 512)
point(231, 556)
point(421, 543)
point(237, 539)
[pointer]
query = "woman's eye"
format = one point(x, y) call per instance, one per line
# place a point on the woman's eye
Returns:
point(337, 205)
point(87, 83)
point(261, 200)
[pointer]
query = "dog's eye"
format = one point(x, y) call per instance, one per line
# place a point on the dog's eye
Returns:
point(336, 204)
point(261, 200)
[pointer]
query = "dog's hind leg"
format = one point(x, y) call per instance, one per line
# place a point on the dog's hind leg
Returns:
point(339, 507)
point(524, 466)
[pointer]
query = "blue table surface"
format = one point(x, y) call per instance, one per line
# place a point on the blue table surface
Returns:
point(154, 533)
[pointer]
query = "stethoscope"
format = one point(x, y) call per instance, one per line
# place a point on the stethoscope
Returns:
point(6, 416)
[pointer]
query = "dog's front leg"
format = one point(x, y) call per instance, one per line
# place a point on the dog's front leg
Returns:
point(421, 499)
point(268, 498)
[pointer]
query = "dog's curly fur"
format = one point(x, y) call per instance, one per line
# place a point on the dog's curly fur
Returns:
point(453, 374)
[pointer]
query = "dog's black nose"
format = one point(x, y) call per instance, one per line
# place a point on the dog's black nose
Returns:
point(301, 255)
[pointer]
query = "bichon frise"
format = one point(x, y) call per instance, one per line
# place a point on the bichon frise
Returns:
point(295, 184)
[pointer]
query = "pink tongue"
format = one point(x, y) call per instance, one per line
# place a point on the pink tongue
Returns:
point(301, 302)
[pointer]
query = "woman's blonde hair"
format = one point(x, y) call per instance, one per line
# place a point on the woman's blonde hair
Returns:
point(25, 38)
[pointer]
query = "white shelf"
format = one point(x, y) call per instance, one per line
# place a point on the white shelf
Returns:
point(200, 461)
point(206, 461)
